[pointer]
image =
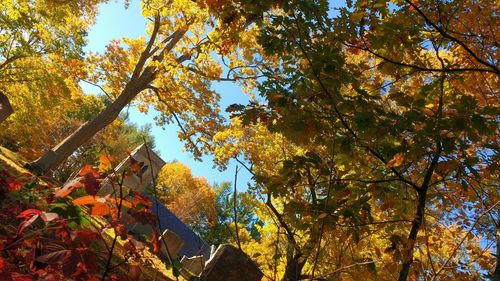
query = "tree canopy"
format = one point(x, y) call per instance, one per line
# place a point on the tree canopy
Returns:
point(372, 131)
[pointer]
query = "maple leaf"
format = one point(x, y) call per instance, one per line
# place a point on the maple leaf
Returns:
point(90, 179)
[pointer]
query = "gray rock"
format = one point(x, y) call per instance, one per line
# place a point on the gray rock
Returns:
point(5, 107)
point(192, 266)
point(172, 241)
point(230, 264)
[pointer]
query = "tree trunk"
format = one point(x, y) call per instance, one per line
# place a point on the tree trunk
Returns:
point(54, 157)
point(294, 268)
point(412, 237)
point(140, 79)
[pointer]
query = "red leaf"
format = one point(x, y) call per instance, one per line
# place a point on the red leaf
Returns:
point(53, 253)
point(141, 199)
point(90, 177)
point(20, 277)
point(25, 224)
point(29, 213)
point(13, 184)
point(69, 266)
point(155, 242)
point(88, 259)
point(84, 236)
point(2, 264)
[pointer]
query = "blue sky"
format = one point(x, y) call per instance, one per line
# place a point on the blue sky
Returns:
point(114, 22)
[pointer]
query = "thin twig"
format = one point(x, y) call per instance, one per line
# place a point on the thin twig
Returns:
point(235, 211)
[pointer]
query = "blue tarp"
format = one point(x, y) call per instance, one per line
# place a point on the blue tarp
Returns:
point(193, 244)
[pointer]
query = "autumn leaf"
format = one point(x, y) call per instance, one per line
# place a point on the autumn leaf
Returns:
point(90, 179)
point(447, 166)
point(124, 203)
point(69, 187)
point(105, 163)
point(100, 209)
point(26, 214)
point(88, 199)
point(53, 253)
point(14, 184)
point(84, 236)
point(21, 277)
point(26, 223)
point(396, 161)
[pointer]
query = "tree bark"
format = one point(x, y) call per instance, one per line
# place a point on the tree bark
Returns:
point(64, 149)
point(420, 214)
point(412, 237)
point(140, 80)
point(294, 266)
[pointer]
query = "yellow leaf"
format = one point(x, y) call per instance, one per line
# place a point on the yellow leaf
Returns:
point(105, 163)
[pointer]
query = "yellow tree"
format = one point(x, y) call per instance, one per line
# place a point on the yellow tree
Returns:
point(171, 70)
point(190, 198)
point(41, 45)
point(397, 99)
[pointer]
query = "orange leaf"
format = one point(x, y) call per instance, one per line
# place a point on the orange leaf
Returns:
point(88, 199)
point(105, 163)
point(125, 203)
point(396, 161)
point(100, 209)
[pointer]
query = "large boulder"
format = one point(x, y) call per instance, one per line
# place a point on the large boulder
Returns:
point(230, 264)
point(5, 107)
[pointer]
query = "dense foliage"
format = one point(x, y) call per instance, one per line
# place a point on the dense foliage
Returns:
point(372, 131)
